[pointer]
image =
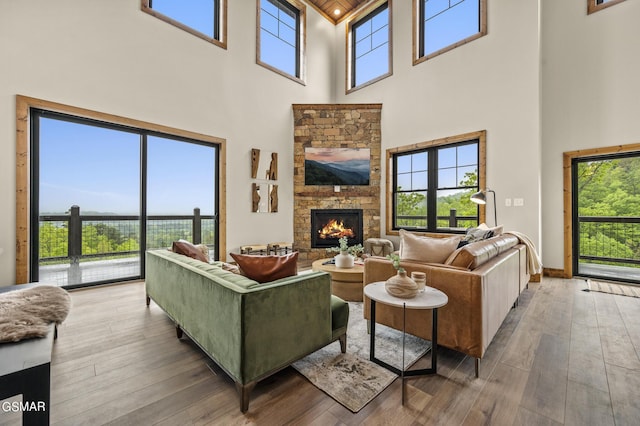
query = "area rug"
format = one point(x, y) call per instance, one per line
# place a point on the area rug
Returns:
point(350, 378)
point(619, 289)
point(25, 314)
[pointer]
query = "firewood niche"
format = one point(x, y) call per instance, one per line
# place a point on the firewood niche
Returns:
point(264, 195)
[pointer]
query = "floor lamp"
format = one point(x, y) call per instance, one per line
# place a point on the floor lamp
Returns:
point(480, 197)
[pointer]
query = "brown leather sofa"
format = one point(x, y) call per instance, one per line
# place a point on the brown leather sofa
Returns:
point(483, 281)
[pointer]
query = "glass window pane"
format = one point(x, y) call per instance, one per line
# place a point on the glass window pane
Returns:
point(403, 182)
point(467, 175)
point(447, 27)
point(468, 155)
point(419, 180)
point(446, 157)
point(277, 53)
point(96, 170)
point(420, 161)
point(411, 209)
point(465, 214)
point(196, 14)
point(447, 178)
point(380, 20)
point(380, 37)
point(372, 65)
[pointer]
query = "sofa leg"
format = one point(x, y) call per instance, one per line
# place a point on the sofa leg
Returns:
point(148, 300)
point(244, 391)
point(343, 343)
point(477, 367)
point(178, 331)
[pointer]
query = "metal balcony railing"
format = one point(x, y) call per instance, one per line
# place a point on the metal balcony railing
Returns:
point(609, 240)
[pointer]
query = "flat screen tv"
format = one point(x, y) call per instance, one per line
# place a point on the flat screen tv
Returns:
point(337, 166)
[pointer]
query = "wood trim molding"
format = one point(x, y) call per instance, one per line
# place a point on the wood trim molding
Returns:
point(482, 170)
point(23, 106)
point(592, 7)
point(567, 191)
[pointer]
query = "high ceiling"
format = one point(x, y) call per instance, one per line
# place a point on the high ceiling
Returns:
point(329, 7)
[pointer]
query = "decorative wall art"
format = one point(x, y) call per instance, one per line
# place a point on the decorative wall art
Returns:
point(264, 168)
point(337, 166)
point(264, 165)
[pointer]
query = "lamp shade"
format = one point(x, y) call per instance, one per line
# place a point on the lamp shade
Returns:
point(479, 197)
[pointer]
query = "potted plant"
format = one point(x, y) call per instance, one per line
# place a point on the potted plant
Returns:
point(400, 285)
point(346, 254)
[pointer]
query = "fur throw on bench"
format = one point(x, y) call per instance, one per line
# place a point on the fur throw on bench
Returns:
point(26, 314)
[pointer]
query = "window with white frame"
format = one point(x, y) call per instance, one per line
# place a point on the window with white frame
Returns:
point(203, 18)
point(442, 25)
point(281, 29)
point(369, 46)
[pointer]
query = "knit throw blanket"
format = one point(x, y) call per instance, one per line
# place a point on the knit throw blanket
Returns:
point(25, 314)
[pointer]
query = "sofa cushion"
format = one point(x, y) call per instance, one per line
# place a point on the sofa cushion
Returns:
point(475, 254)
point(426, 249)
point(187, 249)
point(267, 268)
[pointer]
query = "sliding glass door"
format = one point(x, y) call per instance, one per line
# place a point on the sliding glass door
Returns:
point(104, 193)
point(606, 217)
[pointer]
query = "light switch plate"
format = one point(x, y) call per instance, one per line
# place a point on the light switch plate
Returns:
point(507, 202)
point(518, 202)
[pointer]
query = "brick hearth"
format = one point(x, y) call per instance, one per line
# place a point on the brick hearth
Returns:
point(335, 126)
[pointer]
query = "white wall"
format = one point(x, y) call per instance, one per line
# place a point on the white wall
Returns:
point(489, 84)
point(111, 57)
point(590, 94)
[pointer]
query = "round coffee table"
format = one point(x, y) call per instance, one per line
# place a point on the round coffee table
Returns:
point(430, 298)
point(346, 283)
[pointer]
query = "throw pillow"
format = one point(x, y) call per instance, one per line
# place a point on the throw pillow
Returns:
point(475, 234)
point(187, 249)
point(267, 268)
point(497, 230)
point(426, 249)
point(205, 251)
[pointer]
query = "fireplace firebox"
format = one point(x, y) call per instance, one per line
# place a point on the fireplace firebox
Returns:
point(329, 225)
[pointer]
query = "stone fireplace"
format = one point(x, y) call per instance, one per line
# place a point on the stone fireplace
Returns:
point(335, 126)
point(329, 225)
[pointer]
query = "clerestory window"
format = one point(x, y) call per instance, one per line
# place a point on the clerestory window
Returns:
point(596, 5)
point(432, 183)
point(203, 18)
point(442, 25)
point(369, 46)
point(280, 44)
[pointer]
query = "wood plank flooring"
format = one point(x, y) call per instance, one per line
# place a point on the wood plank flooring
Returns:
point(563, 356)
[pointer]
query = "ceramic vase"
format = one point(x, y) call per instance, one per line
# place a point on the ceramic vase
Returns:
point(420, 279)
point(344, 260)
point(400, 285)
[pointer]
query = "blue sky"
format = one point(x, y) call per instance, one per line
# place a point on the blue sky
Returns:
point(99, 170)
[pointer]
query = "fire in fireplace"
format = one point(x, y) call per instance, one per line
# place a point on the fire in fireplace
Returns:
point(329, 225)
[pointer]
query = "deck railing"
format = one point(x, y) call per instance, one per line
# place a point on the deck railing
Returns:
point(609, 240)
point(73, 238)
point(451, 221)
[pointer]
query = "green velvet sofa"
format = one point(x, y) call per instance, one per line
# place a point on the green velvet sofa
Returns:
point(250, 330)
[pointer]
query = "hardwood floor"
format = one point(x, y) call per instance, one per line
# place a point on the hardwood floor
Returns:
point(563, 356)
